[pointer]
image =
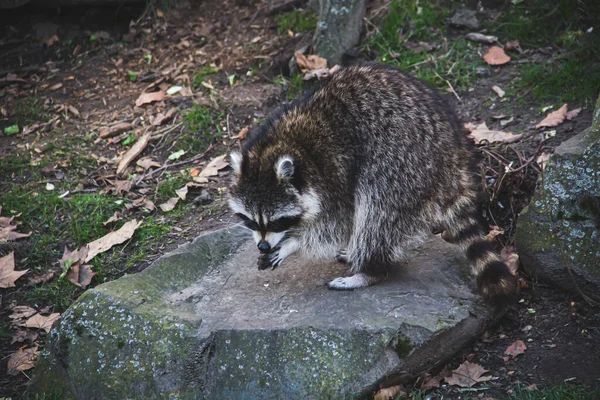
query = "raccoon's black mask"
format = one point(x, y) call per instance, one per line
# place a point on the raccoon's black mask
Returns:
point(270, 201)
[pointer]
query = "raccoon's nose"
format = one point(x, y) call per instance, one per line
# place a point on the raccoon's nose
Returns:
point(263, 246)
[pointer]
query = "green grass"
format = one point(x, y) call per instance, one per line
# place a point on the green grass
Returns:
point(203, 74)
point(572, 73)
point(297, 21)
point(452, 62)
point(562, 392)
point(28, 110)
point(293, 86)
point(203, 123)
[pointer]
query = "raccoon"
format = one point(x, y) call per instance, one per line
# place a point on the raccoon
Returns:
point(364, 168)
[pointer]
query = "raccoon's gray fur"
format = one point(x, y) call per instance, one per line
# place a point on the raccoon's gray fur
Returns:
point(371, 163)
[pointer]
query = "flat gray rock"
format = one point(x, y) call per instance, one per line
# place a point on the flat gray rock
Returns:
point(203, 322)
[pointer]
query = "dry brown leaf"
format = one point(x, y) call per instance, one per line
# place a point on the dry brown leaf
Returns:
point(24, 335)
point(242, 134)
point(394, 392)
point(513, 45)
point(37, 279)
point(573, 113)
point(143, 202)
point(73, 111)
point(22, 360)
point(56, 87)
point(482, 133)
point(467, 375)
point(114, 130)
point(147, 162)
point(480, 37)
point(542, 160)
point(19, 312)
point(182, 192)
point(39, 321)
point(133, 152)
point(554, 118)
point(510, 258)
point(200, 179)
point(8, 233)
point(80, 275)
point(8, 275)
point(113, 238)
point(75, 256)
point(117, 216)
point(194, 172)
point(213, 167)
point(498, 91)
point(419, 47)
point(146, 98)
point(161, 118)
point(512, 351)
point(494, 231)
point(310, 63)
point(169, 205)
point(496, 56)
point(121, 186)
point(321, 73)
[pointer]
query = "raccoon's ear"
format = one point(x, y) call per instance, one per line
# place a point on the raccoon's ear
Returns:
point(235, 160)
point(284, 168)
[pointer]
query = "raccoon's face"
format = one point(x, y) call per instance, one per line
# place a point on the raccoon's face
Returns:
point(271, 202)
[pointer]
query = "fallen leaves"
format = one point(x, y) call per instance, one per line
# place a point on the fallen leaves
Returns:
point(512, 351)
point(115, 129)
point(418, 47)
point(8, 275)
point(38, 321)
point(169, 204)
point(146, 98)
point(133, 152)
point(480, 132)
point(543, 159)
point(213, 167)
point(113, 238)
point(22, 360)
point(309, 63)
point(480, 37)
point(496, 56)
point(467, 375)
point(554, 118)
point(393, 392)
point(8, 228)
point(498, 91)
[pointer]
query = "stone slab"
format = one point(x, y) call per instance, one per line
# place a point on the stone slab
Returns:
point(204, 323)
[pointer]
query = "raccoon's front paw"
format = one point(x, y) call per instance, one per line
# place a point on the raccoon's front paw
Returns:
point(353, 282)
point(271, 260)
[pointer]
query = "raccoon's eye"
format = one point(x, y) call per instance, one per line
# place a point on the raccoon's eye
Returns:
point(282, 224)
point(248, 223)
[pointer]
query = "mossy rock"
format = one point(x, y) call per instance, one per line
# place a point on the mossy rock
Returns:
point(558, 234)
point(204, 323)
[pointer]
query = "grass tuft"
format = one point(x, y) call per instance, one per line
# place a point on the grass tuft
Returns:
point(297, 21)
point(203, 123)
point(451, 63)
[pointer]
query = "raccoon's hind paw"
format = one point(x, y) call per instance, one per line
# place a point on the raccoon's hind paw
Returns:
point(353, 282)
point(342, 256)
point(271, 260)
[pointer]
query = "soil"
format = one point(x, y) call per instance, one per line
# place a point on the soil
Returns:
point(562, 333)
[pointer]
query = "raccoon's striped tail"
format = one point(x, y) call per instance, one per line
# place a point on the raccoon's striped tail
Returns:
point(495, 282)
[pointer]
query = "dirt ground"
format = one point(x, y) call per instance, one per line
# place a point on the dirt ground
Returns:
point(68, 75)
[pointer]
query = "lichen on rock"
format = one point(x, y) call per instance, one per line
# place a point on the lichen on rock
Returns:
point(558, 234)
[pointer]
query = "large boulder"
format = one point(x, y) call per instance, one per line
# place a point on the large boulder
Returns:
point(558, 234)
point(204, 323)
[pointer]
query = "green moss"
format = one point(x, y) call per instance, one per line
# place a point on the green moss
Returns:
point(296, 21)
point(403, 346)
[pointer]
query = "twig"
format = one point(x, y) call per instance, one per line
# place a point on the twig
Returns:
point(449, 85)
point(165, 166)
